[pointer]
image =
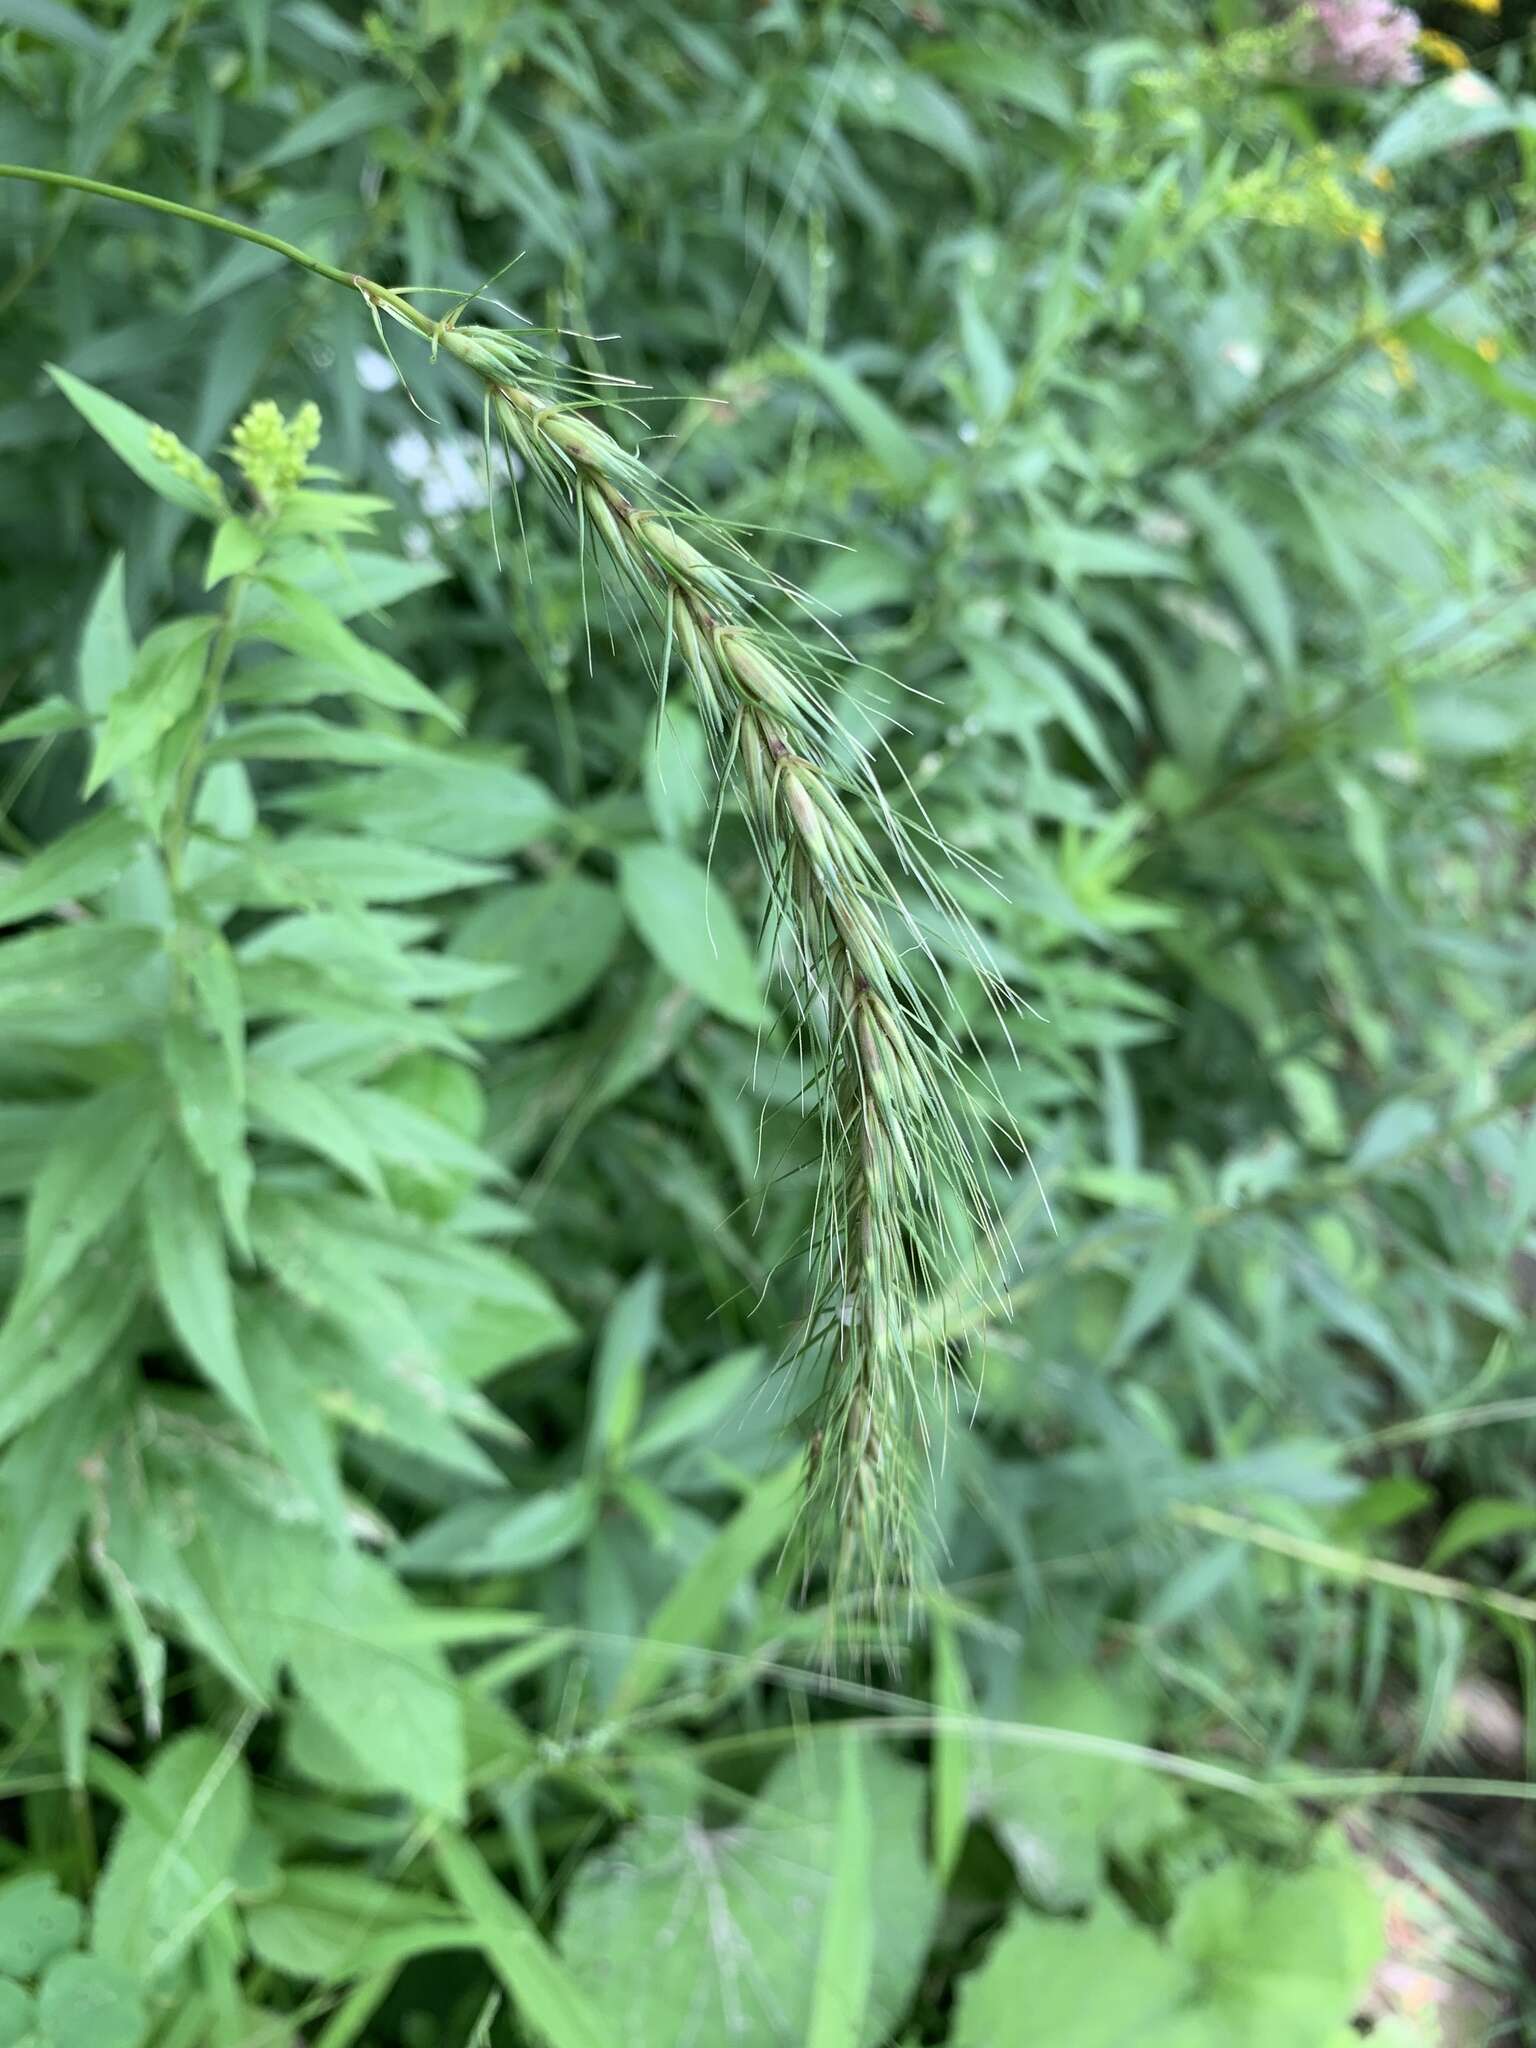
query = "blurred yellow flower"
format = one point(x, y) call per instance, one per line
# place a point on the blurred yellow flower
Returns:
point(1441, 50)
point(1488, 348)
point(1398, 356)
point(1480, 6)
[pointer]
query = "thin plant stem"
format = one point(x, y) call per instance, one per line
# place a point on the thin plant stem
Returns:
point(1349, 1564)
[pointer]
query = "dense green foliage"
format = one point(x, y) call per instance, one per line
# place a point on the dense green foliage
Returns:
point(415, 1127)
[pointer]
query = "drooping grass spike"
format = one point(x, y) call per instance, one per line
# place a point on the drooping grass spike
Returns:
point(899, 1141)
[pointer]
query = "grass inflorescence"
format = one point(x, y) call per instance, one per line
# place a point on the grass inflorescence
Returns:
point(900, 1128)
point(899, 1132)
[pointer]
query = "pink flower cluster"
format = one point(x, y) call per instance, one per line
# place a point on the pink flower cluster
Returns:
point(1366, 42)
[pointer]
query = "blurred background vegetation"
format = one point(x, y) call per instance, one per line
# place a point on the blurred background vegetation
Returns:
point(1147, 391)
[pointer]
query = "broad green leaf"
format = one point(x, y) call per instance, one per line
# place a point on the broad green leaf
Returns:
point(675, 766)
point(93, 1167)
point(128, 434)
point(390, 1700)
point(84, 860)
point(18, 2016)
point(301, 623)
point(556, 938)
point(552, 1999)
point(84, 2002)
point(37, 1923)
point(691, 928)
point(1452, 111)
point(53, 715)
point(163, 687)
point(483, 1537)
point(1076, 551)
point(1512, 389)
point(332, 867)
point(1103, 1982)
point(330, 1923)
point(1282, 1956)
point(170, 1868)
point(191, 1273)
point(698, 1408)
point(726, 1924)
point(1477, 1522)
point(1056, 1811)
point(237, 548)
point(1395, 1128)
point(454, 801)
point(59, 1339)
point(338, 119)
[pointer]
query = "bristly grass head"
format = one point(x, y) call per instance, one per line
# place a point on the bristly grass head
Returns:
point(901, 1132)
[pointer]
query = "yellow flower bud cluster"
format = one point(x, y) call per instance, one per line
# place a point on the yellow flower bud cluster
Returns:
point(177, 456)
point(1309, 192)
point(272, 453)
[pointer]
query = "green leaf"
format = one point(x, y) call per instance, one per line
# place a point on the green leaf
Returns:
point(1462, 108)
point(86, 2003)
point(186, 1248)
point(389, 1700)
point(52, 1343)
point(1477, 1522)
point(1077, 551)
point(693, 1411)
point(1244, 564)
point(310, 868)
point(329, 1924)
point(18, 2016)
point(1516, 393)
point(43, 721)
point(1397, 1127)
point(163, 687)
point(210, 1109)
point(727, 1925)
point(892, 444)
point(1160, 1282)
point(1056, 1811)
point(630, 1332)
point(305, 626)
point(171, 1865)
point(106, 645)
point(339, 117)
point(91, 1172)
point(37, 1923)
point(484, 1537)
point(237, 548)
point(1102, 1982)
point(1283, 1957)
point(845, 1965)
point(548, 1996)
point(44, 1497)
point(949, 1803)
point(555, 937)
point(127, 434)
point(84, 860)
point(691, 928)
point(453, 801)
point(691, 1614)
